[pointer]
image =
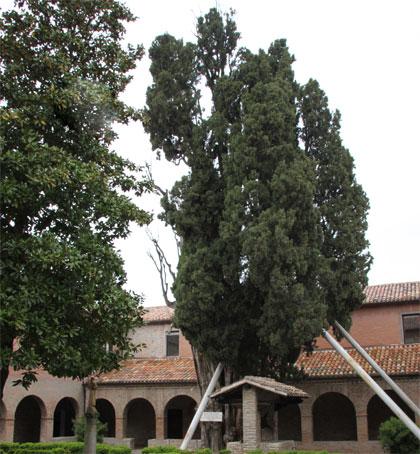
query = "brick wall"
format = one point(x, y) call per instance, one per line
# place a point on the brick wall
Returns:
point(376, 324)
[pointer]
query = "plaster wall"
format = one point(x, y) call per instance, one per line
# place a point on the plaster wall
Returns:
point(153, 336)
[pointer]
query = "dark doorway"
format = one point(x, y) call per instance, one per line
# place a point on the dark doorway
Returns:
point(378, 413)
point(140, 422)
point(334, 418)
point(64, 416)
point(28, 420)
point(179, 413)
point(174, 423)
point(106, 415)
point(289, 423)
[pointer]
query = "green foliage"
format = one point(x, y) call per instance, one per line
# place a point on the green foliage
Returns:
point(80, 428)
point(167, 449)
point(225, 451)
point(397, 439)
point(66, 196)
point(271, 218)
point(59, 448)
point(161, 449)
point(259, 451)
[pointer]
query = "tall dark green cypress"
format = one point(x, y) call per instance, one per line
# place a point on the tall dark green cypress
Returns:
point(271, 219)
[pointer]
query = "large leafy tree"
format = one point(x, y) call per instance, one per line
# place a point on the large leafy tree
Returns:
point(271, 218)
point(65, 195)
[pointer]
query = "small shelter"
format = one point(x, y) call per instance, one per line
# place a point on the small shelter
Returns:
point(259, 398)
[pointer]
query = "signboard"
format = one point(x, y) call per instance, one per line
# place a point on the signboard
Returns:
point(212, 416)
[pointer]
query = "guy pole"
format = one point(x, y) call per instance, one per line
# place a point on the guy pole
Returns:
point(201, 407)
point(373, 385)
point(378, 369)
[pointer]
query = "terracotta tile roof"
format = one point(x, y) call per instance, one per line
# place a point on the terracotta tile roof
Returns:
point(393, 293)
point(264, 383)
point(162, 370)
point(394, 359)
point(158, 314)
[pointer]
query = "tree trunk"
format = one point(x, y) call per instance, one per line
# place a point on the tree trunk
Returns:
point(91, 417)
point(211, 433)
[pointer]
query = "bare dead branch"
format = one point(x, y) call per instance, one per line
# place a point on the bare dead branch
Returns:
point(149, 177)
point(162, 266)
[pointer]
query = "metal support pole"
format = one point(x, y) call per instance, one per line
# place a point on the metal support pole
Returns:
point(379, 370)
point(373, 385)
point(201, 407)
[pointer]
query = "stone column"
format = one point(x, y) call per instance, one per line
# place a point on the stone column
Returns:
point(362, 427)
point(160, 427)
point(8, 429)
point(119, 427)
point(250, 419)
point(306, 422)
point(47, 427)
point(276, 425)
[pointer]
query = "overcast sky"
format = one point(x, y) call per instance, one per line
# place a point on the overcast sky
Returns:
point(365, 55)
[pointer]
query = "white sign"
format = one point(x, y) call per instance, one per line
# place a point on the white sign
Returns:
point(212, 416)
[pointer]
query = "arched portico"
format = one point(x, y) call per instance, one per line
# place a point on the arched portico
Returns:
point(139, 421)
point(334, 418)
point(28, 417)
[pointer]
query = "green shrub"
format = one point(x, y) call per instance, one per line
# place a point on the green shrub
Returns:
point(80, 426)
point(58, 448)
point(225, 451)
point(397, 439)
point(160, 449)
point(108, 449)
point(39, 451)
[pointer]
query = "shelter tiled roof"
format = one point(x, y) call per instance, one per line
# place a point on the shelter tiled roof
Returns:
point(403, 292)
point(162, 370)
point(158, 314)
point(394, 359)
point(264, 383)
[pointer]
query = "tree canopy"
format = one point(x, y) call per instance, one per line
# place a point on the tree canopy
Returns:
point(65, 194)
point(271, 217)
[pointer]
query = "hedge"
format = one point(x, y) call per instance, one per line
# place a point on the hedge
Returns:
point(58, 448)
point(168, 449)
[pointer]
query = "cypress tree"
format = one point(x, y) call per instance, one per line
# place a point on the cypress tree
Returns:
point(271, 218)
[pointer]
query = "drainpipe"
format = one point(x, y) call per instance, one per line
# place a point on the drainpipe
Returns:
point(202, 406)
point(379, 370)
point(373, 385)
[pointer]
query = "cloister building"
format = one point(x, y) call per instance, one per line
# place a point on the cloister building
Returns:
point(152, 398)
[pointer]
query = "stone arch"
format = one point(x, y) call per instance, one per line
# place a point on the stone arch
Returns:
point(378, 412)
point(334, 418)
point(289, 422)
point(28, 415)
point(139, 421)
point(106, 415)
point(64, 415)
point(179, 411)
